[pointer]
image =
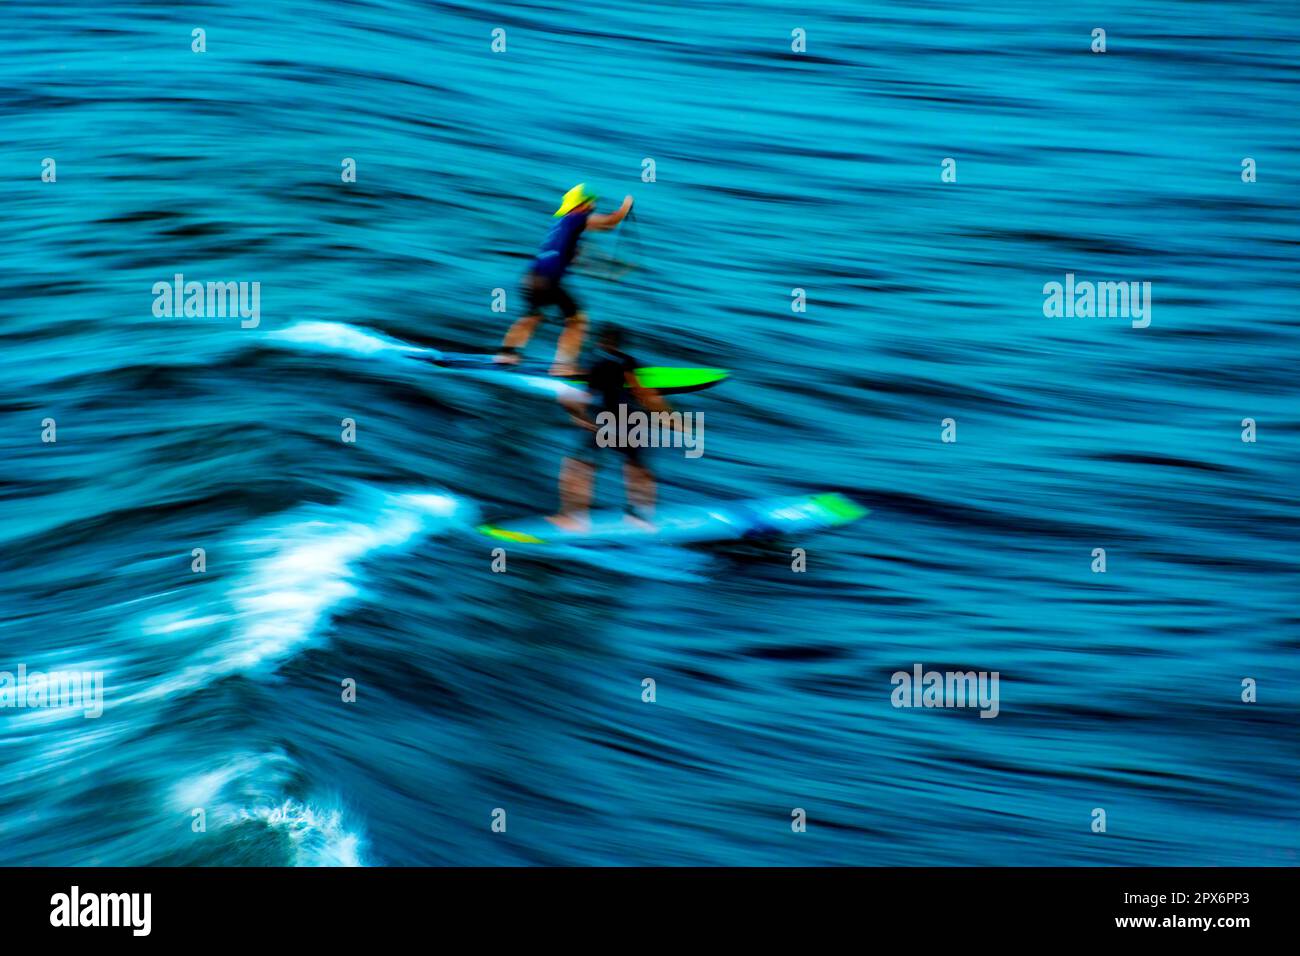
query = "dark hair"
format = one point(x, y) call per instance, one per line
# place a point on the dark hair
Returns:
point(610, 334)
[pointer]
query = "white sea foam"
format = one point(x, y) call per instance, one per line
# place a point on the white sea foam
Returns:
point(249, 788)
point(301, 570)
point(341, 337)
point(318, 835)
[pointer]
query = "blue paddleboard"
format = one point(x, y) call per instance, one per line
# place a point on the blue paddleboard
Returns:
point(690, 524)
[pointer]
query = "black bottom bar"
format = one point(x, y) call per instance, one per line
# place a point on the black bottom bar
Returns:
point(654, 905)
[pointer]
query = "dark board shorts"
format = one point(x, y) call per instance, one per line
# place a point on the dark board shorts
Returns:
point(587, 448)
point(540, 291)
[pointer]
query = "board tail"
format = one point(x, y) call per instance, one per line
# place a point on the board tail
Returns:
point(841, 508)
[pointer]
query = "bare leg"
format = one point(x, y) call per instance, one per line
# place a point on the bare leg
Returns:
point(570, 344)
point(640, 490)
point(576, 480)
point(517, 338)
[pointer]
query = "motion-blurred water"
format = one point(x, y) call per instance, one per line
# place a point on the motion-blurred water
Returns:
point(522, 691)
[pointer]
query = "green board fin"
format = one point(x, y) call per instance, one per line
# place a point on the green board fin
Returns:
point(505, 534)
point(663, 379)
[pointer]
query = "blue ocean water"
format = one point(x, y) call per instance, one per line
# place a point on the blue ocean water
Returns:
point(774, 170)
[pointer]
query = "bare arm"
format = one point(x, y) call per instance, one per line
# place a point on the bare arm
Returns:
point(604, 221)
point(577, 409)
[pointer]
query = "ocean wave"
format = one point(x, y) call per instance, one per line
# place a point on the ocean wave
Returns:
point(300, 571)
point(245, 809)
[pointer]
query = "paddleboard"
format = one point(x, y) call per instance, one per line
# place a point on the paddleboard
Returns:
point(665, 380)
point(690, 524)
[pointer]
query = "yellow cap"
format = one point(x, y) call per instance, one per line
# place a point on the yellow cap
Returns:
point(574, 198)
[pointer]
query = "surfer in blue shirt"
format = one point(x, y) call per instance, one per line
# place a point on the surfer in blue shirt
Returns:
point(542, 284)
point(610, 381)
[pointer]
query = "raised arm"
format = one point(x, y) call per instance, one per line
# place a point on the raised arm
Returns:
point(602, 221)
